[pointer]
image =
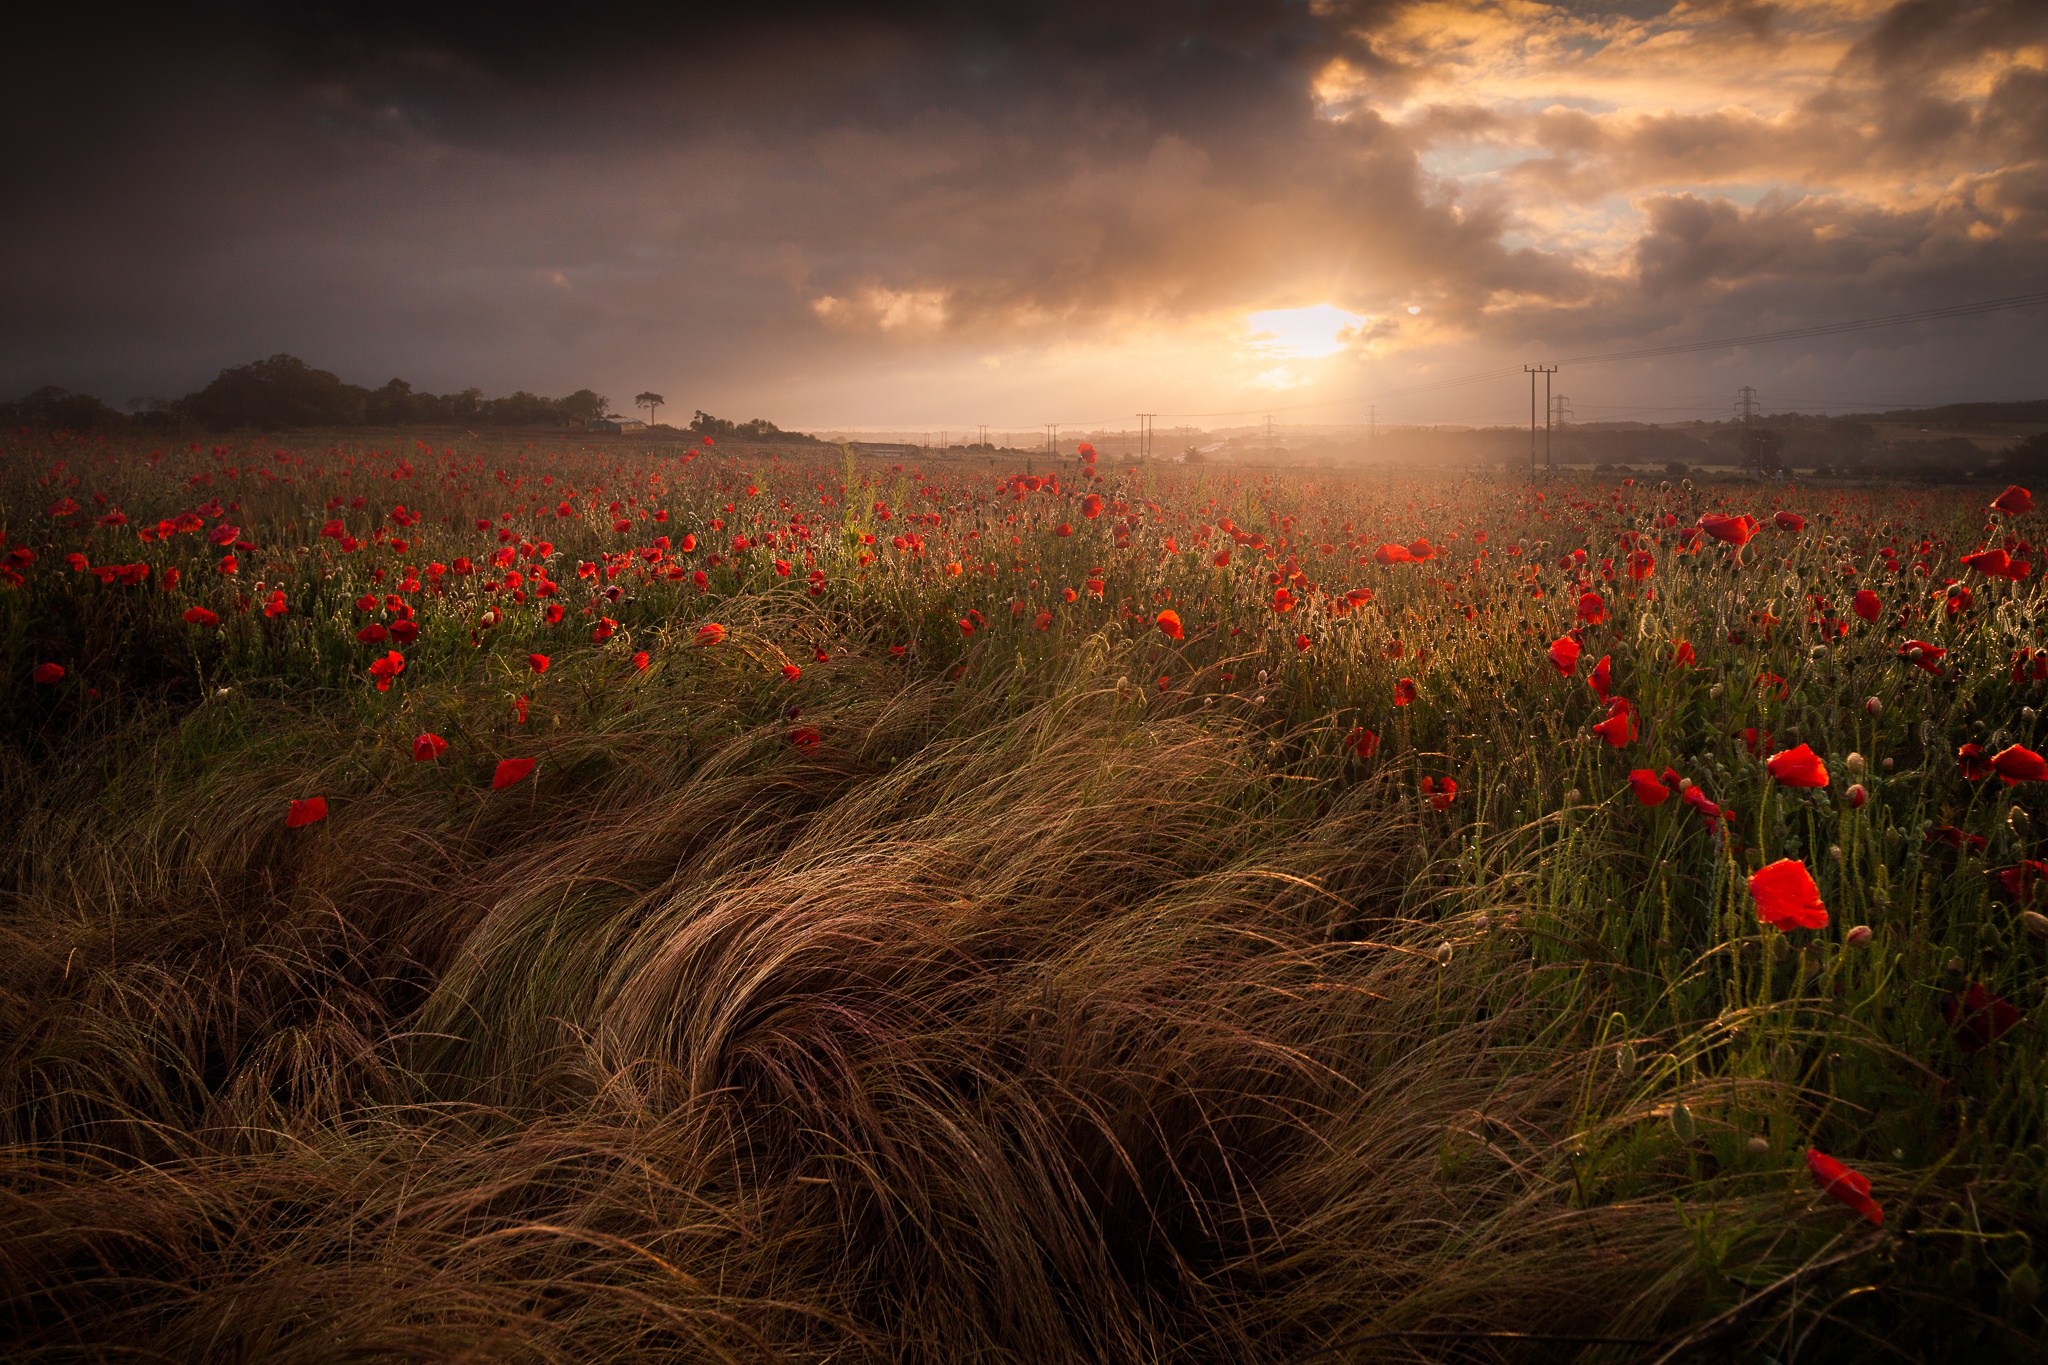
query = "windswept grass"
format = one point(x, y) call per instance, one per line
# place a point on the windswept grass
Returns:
point(1030, 1013)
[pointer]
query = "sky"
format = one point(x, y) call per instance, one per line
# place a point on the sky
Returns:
point(944, 215)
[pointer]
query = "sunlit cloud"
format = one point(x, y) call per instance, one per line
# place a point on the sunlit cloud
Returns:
point(1303, 333)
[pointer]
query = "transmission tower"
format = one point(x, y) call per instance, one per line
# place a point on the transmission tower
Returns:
point(1145, 434)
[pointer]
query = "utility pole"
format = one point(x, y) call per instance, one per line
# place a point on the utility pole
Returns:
point(1145, 435)
point(981, 438)
point(1532, 371)
point(1560, 411)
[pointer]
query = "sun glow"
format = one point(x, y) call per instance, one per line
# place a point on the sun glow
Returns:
point(1303, 333)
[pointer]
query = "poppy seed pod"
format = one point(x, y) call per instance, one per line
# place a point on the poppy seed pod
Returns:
point(1682, 1125)
point(1858, 936)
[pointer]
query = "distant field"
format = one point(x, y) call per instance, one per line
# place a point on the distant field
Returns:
point(594, 901)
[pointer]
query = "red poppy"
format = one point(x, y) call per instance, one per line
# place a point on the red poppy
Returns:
point(1283, 600)
point(510, 770)
point(1602, 676)
point(2019, 881)
point(1564, 655)
point(605, 628)
point(1800, 767)
point(1592, 608)
point(2017, 763)
point(1641, 564)
point(1756, 739)
point(1420, 549)
point(48, 673)
point(1647, 788)
point(1169, 622)
point(1619, 729)
point(1091, 506)
point(1955, 838)
point(306, 812)
point(1992, 563)
point(1865, 604)
point(1786, 896)
point(1682, 655)
point(710, 633)
point(1736, 531)
point(1362, 742)
point(1922, 655)
point(1972, 763)
point(200, 616)
point(276, 605)
point(1441, 791)
point(1404, 691)
point(640, 661)
point(1978, 1017)
point(1222, 559)
point(1697, 799)
point(1043, 620)
point(1844, 1186)
point(373, 634)
point(2013, 501)
point(805, 738)
point(1789, 521)
point(387, 668)
point(405, 632)
point(428, 746)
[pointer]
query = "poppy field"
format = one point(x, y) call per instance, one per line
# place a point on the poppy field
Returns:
point(593, 901)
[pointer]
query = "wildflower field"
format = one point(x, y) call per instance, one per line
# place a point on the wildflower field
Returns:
point(565, 901)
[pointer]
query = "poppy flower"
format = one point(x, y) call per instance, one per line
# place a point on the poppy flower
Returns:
point(1362, 742)
point(510, 770)
point(1865, 604)
point(537, 662)
point(1922, 655)
point(405, 632)
point(1043, 620)
point(2019, 881)
point(2017, 763)
point(1736, 531)
point(805, 738)
point(2013, 501)
point(1682, 655)
point(1786, 897)
point(1697, 799)
point(1091, 506)
point(1789, 521)
point(1955, 838)
point(372, 634)
point(1393, 554)
point(276, 605)
point(1992, 563)
point(1283, 600)
point(1972, 763)
point(1619, 729)
point(640, 661)
point(1755, 739)
point(1648, 789)
point(1564, 655)
point(710, 633)
point(1404, 691)
point(791, 672)
point(1602, 676)
point(1978, 1017)
point(306, 812)
point(1641, 564)
point(200, 616)
point(1169, 622)
point(1441, 791)
point(428, 746)
point(387, 668)
point(1800, 767)
point(1844, 1186)
point(48, 673)
point(1303, 643)
point(1592, 608)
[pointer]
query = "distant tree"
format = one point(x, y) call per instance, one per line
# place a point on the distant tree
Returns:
point(58, 408)
point(583, 406)
point(650, 401)
point(1677, 469)
point(394, 405)
point(283, 391)
point(2028, 459)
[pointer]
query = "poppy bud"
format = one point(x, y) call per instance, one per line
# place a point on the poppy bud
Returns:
point(1758, 1146)
point(1443, 953)
point(1625, 1061)
point(2029, 714)
point(1872, 706)
point(1858, 936)
point(2035, 923)
point(1682, 1125)
point(1857, 796)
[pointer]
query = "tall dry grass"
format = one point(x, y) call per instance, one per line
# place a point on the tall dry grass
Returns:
point(999, 1028)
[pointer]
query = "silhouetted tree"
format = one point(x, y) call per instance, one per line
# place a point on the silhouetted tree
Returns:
point(650, 401)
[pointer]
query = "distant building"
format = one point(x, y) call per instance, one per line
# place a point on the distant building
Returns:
point(618, 424)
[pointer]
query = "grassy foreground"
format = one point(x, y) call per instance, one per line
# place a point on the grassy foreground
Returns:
point(1016, 981)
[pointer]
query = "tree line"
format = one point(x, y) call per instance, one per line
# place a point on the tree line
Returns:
point(285, 392)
